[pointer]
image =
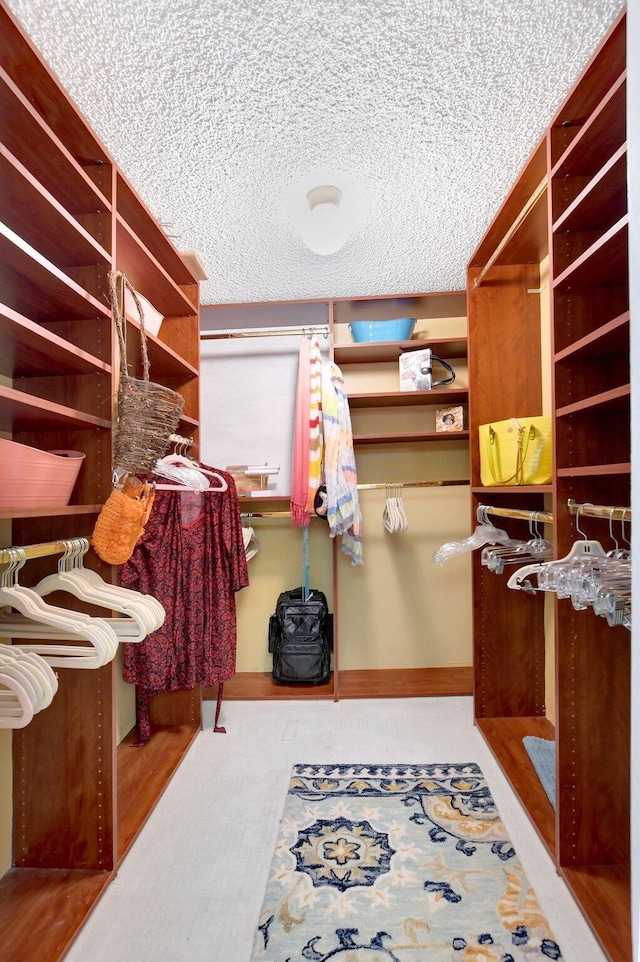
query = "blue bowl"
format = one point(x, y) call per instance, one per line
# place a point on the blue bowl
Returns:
point(398, 329)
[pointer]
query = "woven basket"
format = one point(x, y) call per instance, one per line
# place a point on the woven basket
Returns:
point(148, 413)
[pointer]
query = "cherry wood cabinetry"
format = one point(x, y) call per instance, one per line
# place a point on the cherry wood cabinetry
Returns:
point(555, 339)
point(67, 217)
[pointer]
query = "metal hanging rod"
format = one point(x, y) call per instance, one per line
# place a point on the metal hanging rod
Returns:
point(530, 204)
point(266, 332)
point(43, 550)
point(411, 484)
point(610, 512)
point(544, 516)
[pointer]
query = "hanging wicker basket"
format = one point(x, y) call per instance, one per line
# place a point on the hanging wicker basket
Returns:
point(148, 413)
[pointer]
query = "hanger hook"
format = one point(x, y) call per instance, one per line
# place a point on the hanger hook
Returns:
point(611, 534)
point(624, 515)
point(577, 520)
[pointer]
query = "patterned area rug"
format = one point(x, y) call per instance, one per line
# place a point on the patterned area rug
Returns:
point(397, 862)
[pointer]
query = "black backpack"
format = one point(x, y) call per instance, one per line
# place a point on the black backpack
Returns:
point(301, 638)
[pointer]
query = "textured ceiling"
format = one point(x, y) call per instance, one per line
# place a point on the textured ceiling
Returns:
point(224, 113)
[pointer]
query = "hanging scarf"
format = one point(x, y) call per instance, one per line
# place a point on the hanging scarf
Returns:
point(343, 506)
point(307, 433)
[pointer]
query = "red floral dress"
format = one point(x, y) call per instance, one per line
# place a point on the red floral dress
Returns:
point(191, 557)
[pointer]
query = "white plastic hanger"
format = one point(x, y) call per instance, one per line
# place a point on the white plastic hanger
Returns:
point(104, 642)
point(98, 593)
point(485, 533)
point(16, 706)
point(180, 461)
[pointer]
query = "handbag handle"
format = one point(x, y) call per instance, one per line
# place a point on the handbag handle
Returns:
point(521, 452)
point(117, 284)
point(446, 380)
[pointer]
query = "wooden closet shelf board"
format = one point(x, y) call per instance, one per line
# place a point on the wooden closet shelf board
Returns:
point(133, 211)
point(34, 213)
point(163, 360)
point(599, 138)
point(34, 143)
point(66, 511)
point(366, 352)
point(415, 437)
point(605, 262)
point(515, 489)
point(40, 85)
point(33, 276)
point(603, 893)
point(144, 773)
point(26, 412)
point(50, 906)
point(610, 338)
point(408, 398)
point(616, 398)
point(604, 195)
point(28, 350)
point(504, 738)
point(147, 274)
point(594, 470)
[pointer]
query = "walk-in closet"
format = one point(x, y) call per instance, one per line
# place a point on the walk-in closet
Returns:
point(508, 594)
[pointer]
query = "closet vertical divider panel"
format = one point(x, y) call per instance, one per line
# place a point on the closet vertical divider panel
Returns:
point(505, 381)
point(588, 211)
point(66, 218)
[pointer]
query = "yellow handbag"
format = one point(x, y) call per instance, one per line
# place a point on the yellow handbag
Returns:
point(516, 451)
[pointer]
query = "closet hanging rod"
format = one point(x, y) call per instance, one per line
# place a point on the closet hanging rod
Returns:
point(610, 512)
point(311, 330)
point(530, 204)
point(411, 484)
point(544, 516)
point(43, 550)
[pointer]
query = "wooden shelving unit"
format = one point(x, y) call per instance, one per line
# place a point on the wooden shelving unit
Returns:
point(67, 217)
point(582, 223)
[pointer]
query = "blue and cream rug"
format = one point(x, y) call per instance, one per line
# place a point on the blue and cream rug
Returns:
point(411, 863)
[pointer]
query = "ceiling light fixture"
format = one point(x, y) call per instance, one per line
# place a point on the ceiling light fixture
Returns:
point(324, 227)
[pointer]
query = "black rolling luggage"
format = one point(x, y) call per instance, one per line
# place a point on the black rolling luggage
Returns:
point(301, 638)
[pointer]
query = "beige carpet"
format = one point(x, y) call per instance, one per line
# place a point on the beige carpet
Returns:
point(192, 887)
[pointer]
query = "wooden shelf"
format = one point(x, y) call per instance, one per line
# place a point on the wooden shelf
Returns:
point(504, 738)
point(66, 511)
point(616, 398)
point(603, 196)
point(148, 276)
point(373, 352)
point(408, 398)
point(143, 774)
point(415, 437)
point(29, 350)
point(41, 910)
point(33, 213)
point(27, 412)
point(604, 263)
point(599, 138)
point(164, 361)
point(603, 892)
point(610, 338)
point(134, 212)
point(28, 137)
point(33, 275)
point(595, 470)
point(517, 489)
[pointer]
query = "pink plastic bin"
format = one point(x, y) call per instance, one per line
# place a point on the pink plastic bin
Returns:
point(30, 478)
